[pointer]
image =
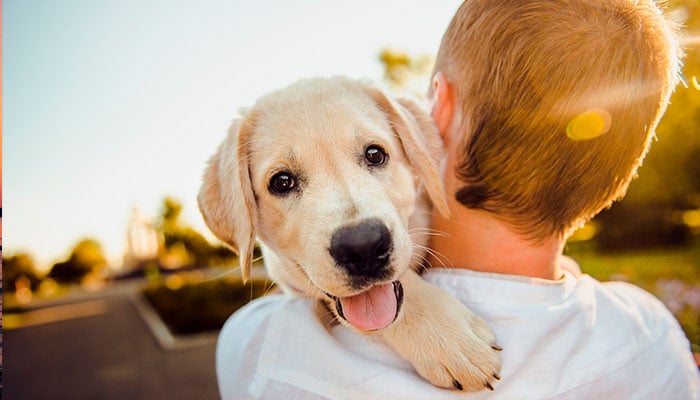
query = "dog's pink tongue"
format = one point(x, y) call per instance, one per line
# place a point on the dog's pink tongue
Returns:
point(372, 309)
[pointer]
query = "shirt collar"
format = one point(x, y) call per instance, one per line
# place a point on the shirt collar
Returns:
point(512, 290)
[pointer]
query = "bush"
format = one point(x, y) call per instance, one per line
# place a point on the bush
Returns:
point(637, 226)
point(195, 306)
point(19, 267)
point(85, 258)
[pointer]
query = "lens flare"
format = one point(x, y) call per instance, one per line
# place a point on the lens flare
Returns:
point(694, 81)
point(589, 124)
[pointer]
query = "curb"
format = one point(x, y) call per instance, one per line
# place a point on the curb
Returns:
point(162, 334)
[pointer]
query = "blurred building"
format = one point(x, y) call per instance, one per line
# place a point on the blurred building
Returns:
point(142, 241)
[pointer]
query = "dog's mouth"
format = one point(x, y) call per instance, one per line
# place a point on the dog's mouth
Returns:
point(372, 309)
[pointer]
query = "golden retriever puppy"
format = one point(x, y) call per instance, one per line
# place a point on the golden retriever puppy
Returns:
point(337, 180)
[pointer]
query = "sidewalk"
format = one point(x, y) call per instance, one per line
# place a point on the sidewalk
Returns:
point(100, 347)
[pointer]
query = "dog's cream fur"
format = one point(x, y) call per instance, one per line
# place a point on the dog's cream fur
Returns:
point(318, 129)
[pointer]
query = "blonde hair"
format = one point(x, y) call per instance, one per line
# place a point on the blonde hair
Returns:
point(524, 72)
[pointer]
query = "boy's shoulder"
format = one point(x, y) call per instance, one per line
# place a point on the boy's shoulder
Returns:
point(618, 299)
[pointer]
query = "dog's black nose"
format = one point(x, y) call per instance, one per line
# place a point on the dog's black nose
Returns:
point(364, 249)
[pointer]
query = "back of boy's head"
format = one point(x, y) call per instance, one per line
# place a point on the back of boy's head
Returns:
point(559, 101)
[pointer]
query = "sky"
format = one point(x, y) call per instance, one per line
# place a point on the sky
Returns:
point(112, 105)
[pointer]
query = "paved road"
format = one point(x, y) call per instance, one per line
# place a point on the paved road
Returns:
point(102, 349)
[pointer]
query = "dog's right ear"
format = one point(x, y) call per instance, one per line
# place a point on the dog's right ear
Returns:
point(420, 140)
point(226, 198)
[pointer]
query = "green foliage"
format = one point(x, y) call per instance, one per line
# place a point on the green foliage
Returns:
point(670, 171)
point(86, 258)
point(170, 214)
point(179, 238)
point(668, 182)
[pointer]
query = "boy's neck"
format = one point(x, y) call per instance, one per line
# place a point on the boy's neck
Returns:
point(477, 241)
point(473, 239)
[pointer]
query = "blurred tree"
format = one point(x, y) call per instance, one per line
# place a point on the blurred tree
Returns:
point(19, 266)
point(669, 180)
point(670, 171)
point(184, 246)
point(86, 258)
point(170, 214)
point(405, 72)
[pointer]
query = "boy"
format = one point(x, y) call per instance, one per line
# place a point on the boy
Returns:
point(546, 109)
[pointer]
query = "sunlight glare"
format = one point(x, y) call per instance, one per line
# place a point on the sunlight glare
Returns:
point(589, 124)
point(691, 40)
point(694, 82)
point(692, 218)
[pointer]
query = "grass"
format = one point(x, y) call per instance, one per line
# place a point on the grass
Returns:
point(670, 274)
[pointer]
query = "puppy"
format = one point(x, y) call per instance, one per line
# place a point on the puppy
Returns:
point(337, 180)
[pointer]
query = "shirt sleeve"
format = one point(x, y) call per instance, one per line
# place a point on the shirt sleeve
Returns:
point(674, 373)
point(239, 345)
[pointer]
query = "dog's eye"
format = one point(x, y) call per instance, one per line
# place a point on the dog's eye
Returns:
point(282, 183)
point(375, 155)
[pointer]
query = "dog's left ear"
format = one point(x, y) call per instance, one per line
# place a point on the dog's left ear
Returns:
point(420, 140)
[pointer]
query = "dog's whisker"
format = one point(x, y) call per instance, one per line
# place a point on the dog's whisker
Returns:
point(288, 270)
point(426, 229)
point(308, 286)
point(270, 286)
point(419, 255)
point(227, 272)
point(421, 232)
point(421, 261)
point(421, 237)
point(442, 259)
point(443, 264)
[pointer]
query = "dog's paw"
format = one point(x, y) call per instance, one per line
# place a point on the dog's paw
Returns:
point(461, 352)
point(445, 342)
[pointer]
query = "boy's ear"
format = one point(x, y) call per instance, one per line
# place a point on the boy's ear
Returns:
point(442, 105)
point(226, 198)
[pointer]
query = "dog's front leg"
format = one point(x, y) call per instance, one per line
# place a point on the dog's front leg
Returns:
point(445, 342)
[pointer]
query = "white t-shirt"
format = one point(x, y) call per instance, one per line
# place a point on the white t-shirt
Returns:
point(575, 338)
